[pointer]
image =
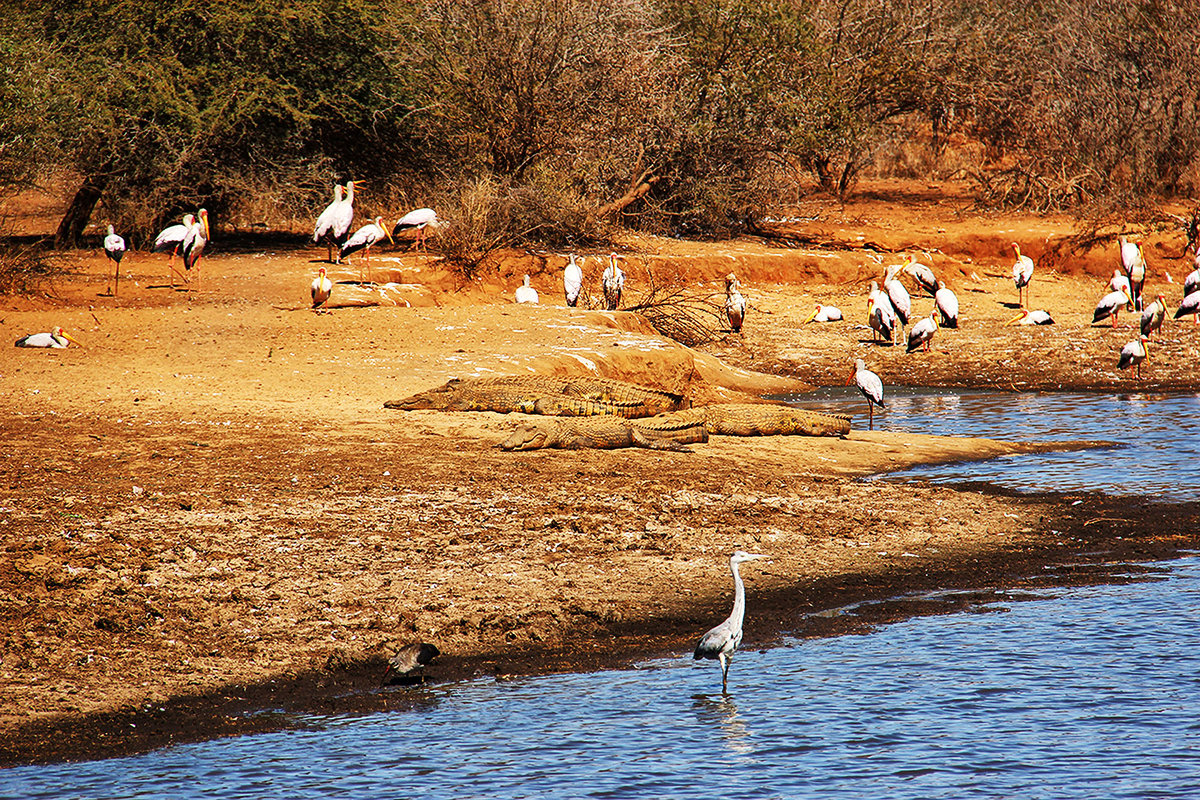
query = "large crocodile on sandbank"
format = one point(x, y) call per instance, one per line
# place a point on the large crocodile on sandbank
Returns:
point(546, 395)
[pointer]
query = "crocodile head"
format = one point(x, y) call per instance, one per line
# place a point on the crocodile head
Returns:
point(526, 437)
point(441, 398)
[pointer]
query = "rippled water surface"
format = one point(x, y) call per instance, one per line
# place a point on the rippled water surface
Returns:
point(1088, 692)
point(1157, 436)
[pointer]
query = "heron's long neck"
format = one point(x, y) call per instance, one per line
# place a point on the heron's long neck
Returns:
point(739, 597)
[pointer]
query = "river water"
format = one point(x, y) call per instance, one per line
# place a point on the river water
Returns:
point(1156, 437)
point(1076, 693)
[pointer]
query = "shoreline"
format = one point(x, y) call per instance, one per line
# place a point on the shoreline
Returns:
point(1098, 550)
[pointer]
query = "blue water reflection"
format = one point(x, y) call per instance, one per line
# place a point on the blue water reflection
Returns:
point(1157, 436)
point(1089, 693)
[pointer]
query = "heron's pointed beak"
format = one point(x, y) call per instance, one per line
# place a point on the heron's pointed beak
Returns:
point(755, 556)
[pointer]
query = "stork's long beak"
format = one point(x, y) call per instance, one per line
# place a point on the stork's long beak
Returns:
point(812, 316)
point(1015, 319)
point(755, 556)
point(207, 232)
point(72, 339)
point(850, 380)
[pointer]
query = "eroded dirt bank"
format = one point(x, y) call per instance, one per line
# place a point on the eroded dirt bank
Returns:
point(207, 511)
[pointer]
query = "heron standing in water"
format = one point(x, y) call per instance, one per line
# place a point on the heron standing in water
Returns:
point(721, 642)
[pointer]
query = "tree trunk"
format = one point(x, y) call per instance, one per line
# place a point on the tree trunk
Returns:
point(79, 212)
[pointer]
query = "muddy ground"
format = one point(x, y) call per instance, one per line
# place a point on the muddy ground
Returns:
point(206, 510)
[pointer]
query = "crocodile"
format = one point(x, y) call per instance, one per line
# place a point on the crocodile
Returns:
point(657, 433)
point(763, 419)
point(549, 396)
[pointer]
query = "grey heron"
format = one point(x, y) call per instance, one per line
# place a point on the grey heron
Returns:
point(721, 642)
point(735, 303)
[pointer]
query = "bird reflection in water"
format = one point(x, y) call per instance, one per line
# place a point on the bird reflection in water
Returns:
point(722, 710)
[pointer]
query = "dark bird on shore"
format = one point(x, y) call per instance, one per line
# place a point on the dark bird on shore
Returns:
point(333, 225)
point(1022, 274)
point(409, 661)
point(721, 642)
point(871, 387)
point(56, 339)
point(735, 303)
point(114, 248)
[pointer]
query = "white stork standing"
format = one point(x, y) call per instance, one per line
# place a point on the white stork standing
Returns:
point(572, 281)
point(1192, 282)
point(1132, 356)
point(333, 225)
point(526, 293)
point(170, 238)
point(1190, 305)
point(1153, 316)
point(1027, 317)
point(57, 339)
point(114, 248)
point(321, 288)
point(922, 333)
point(1110, 306)
point(420, 220)
point(880, 314)
point(735, 303)
point(901, 302)
point(613, 283)
point(363, 239)
point(946, 304)
point(825, 314)
point(922, 274)
point(1134, 264)
point(1022, 272)
point(871, 387)
point(193, 244)
point(721, 642)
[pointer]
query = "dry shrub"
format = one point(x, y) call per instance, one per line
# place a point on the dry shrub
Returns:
point(25, 268)
point(679, 312)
